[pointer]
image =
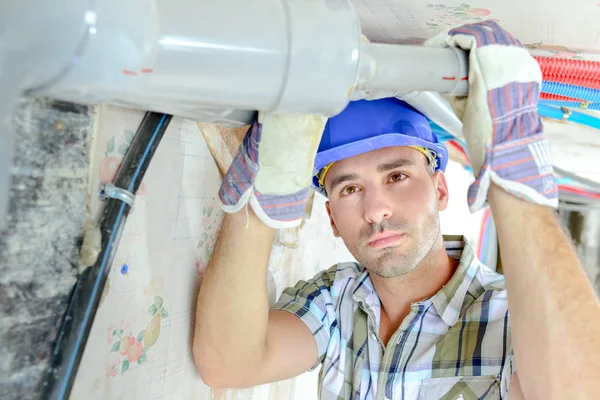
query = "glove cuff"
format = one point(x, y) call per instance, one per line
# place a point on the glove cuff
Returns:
point(522, 167)
point(277, 212)
point(280, 212)
point(284, 209)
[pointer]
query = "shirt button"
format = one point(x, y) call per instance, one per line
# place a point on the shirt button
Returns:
point(373, 336)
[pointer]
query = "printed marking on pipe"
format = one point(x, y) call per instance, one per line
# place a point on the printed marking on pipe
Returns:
point(147, 70)
point(449, 78)
point(129, 72)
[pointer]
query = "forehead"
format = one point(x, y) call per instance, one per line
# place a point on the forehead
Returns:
point(372, 159)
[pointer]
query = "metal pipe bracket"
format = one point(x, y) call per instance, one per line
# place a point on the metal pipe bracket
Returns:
point(110, 191)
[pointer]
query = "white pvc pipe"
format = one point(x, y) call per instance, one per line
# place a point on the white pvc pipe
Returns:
point(205, 59)
point(387, 69)
point(436, 108)
point(38, 42)
point(213, 61)
point(187, 57)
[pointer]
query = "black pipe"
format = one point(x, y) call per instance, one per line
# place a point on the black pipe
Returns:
point(86, 294)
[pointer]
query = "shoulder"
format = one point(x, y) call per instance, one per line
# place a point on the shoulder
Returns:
point(489, 296)
point(339, 273)
point(487, 280)
point(331, 282)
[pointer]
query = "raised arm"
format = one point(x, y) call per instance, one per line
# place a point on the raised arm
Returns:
point(555, 315)
point(237, 341)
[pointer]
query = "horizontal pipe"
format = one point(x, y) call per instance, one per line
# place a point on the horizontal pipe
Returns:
point(548, 96)
point(578, 92)
point(397, 69)
point(437, 109)
point(563, 67)
point(573, 116)
point(579, 179)
point(583, 82)
point(571, 104)
point(182, 56)
point(577, 207)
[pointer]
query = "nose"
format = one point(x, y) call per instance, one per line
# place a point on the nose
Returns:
point(377, 207)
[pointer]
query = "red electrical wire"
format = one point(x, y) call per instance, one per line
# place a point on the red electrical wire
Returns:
point(460, 150)
point(557, 68)
point(580, 192)
point(484, 222)
point(548, 96)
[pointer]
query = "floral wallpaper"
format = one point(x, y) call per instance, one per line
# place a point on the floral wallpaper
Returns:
point(129, 348)
point(455, 15)
point(140, 343)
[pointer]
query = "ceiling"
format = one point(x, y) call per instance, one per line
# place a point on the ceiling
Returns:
point(550, 28)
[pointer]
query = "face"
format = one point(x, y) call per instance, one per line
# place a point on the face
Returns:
point(385, 205)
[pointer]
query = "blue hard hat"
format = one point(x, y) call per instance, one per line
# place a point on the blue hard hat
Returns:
point(367, 125)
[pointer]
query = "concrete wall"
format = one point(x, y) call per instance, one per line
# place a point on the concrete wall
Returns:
point(39, 247)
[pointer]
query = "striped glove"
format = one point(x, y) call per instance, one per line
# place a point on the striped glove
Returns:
point(273, 169)
point(503, 131)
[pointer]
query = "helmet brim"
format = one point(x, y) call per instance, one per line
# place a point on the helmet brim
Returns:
point(374, 143)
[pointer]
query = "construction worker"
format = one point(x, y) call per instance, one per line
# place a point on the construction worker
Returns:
point(418, 317)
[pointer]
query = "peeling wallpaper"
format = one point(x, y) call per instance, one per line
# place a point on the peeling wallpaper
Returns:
point(140, 343)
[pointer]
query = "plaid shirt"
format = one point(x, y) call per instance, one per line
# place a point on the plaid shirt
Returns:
point(453, 345)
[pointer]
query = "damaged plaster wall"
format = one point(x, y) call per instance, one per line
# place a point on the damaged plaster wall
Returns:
point(39, 247)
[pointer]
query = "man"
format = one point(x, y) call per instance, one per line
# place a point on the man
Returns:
point(419, 317)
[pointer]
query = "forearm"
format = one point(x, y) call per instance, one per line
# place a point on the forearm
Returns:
point(232, 309)
point(555, 315)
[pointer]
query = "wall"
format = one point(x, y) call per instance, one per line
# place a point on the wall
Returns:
point(163, 253)
point(39, 247)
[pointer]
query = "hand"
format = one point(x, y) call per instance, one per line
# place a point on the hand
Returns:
point(503, 131)
point(273, 169)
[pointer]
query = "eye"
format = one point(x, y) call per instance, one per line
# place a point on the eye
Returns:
point(396, 177)
point(349, 190)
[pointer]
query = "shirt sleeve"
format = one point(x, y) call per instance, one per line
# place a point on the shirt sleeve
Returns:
point(311, 301)
point(508, 371)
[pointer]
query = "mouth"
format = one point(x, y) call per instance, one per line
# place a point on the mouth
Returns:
point(385, 240)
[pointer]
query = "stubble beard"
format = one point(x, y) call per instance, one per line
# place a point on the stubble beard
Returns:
point(398, 260)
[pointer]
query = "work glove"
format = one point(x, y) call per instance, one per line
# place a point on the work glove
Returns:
point(503, 131)
point(272, 170)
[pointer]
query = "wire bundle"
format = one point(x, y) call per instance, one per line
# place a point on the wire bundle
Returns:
point(570, 83)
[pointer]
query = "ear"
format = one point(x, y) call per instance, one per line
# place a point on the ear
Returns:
point(336, 233)
point(441, 186)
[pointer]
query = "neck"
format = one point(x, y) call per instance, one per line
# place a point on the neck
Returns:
point(397, 294)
